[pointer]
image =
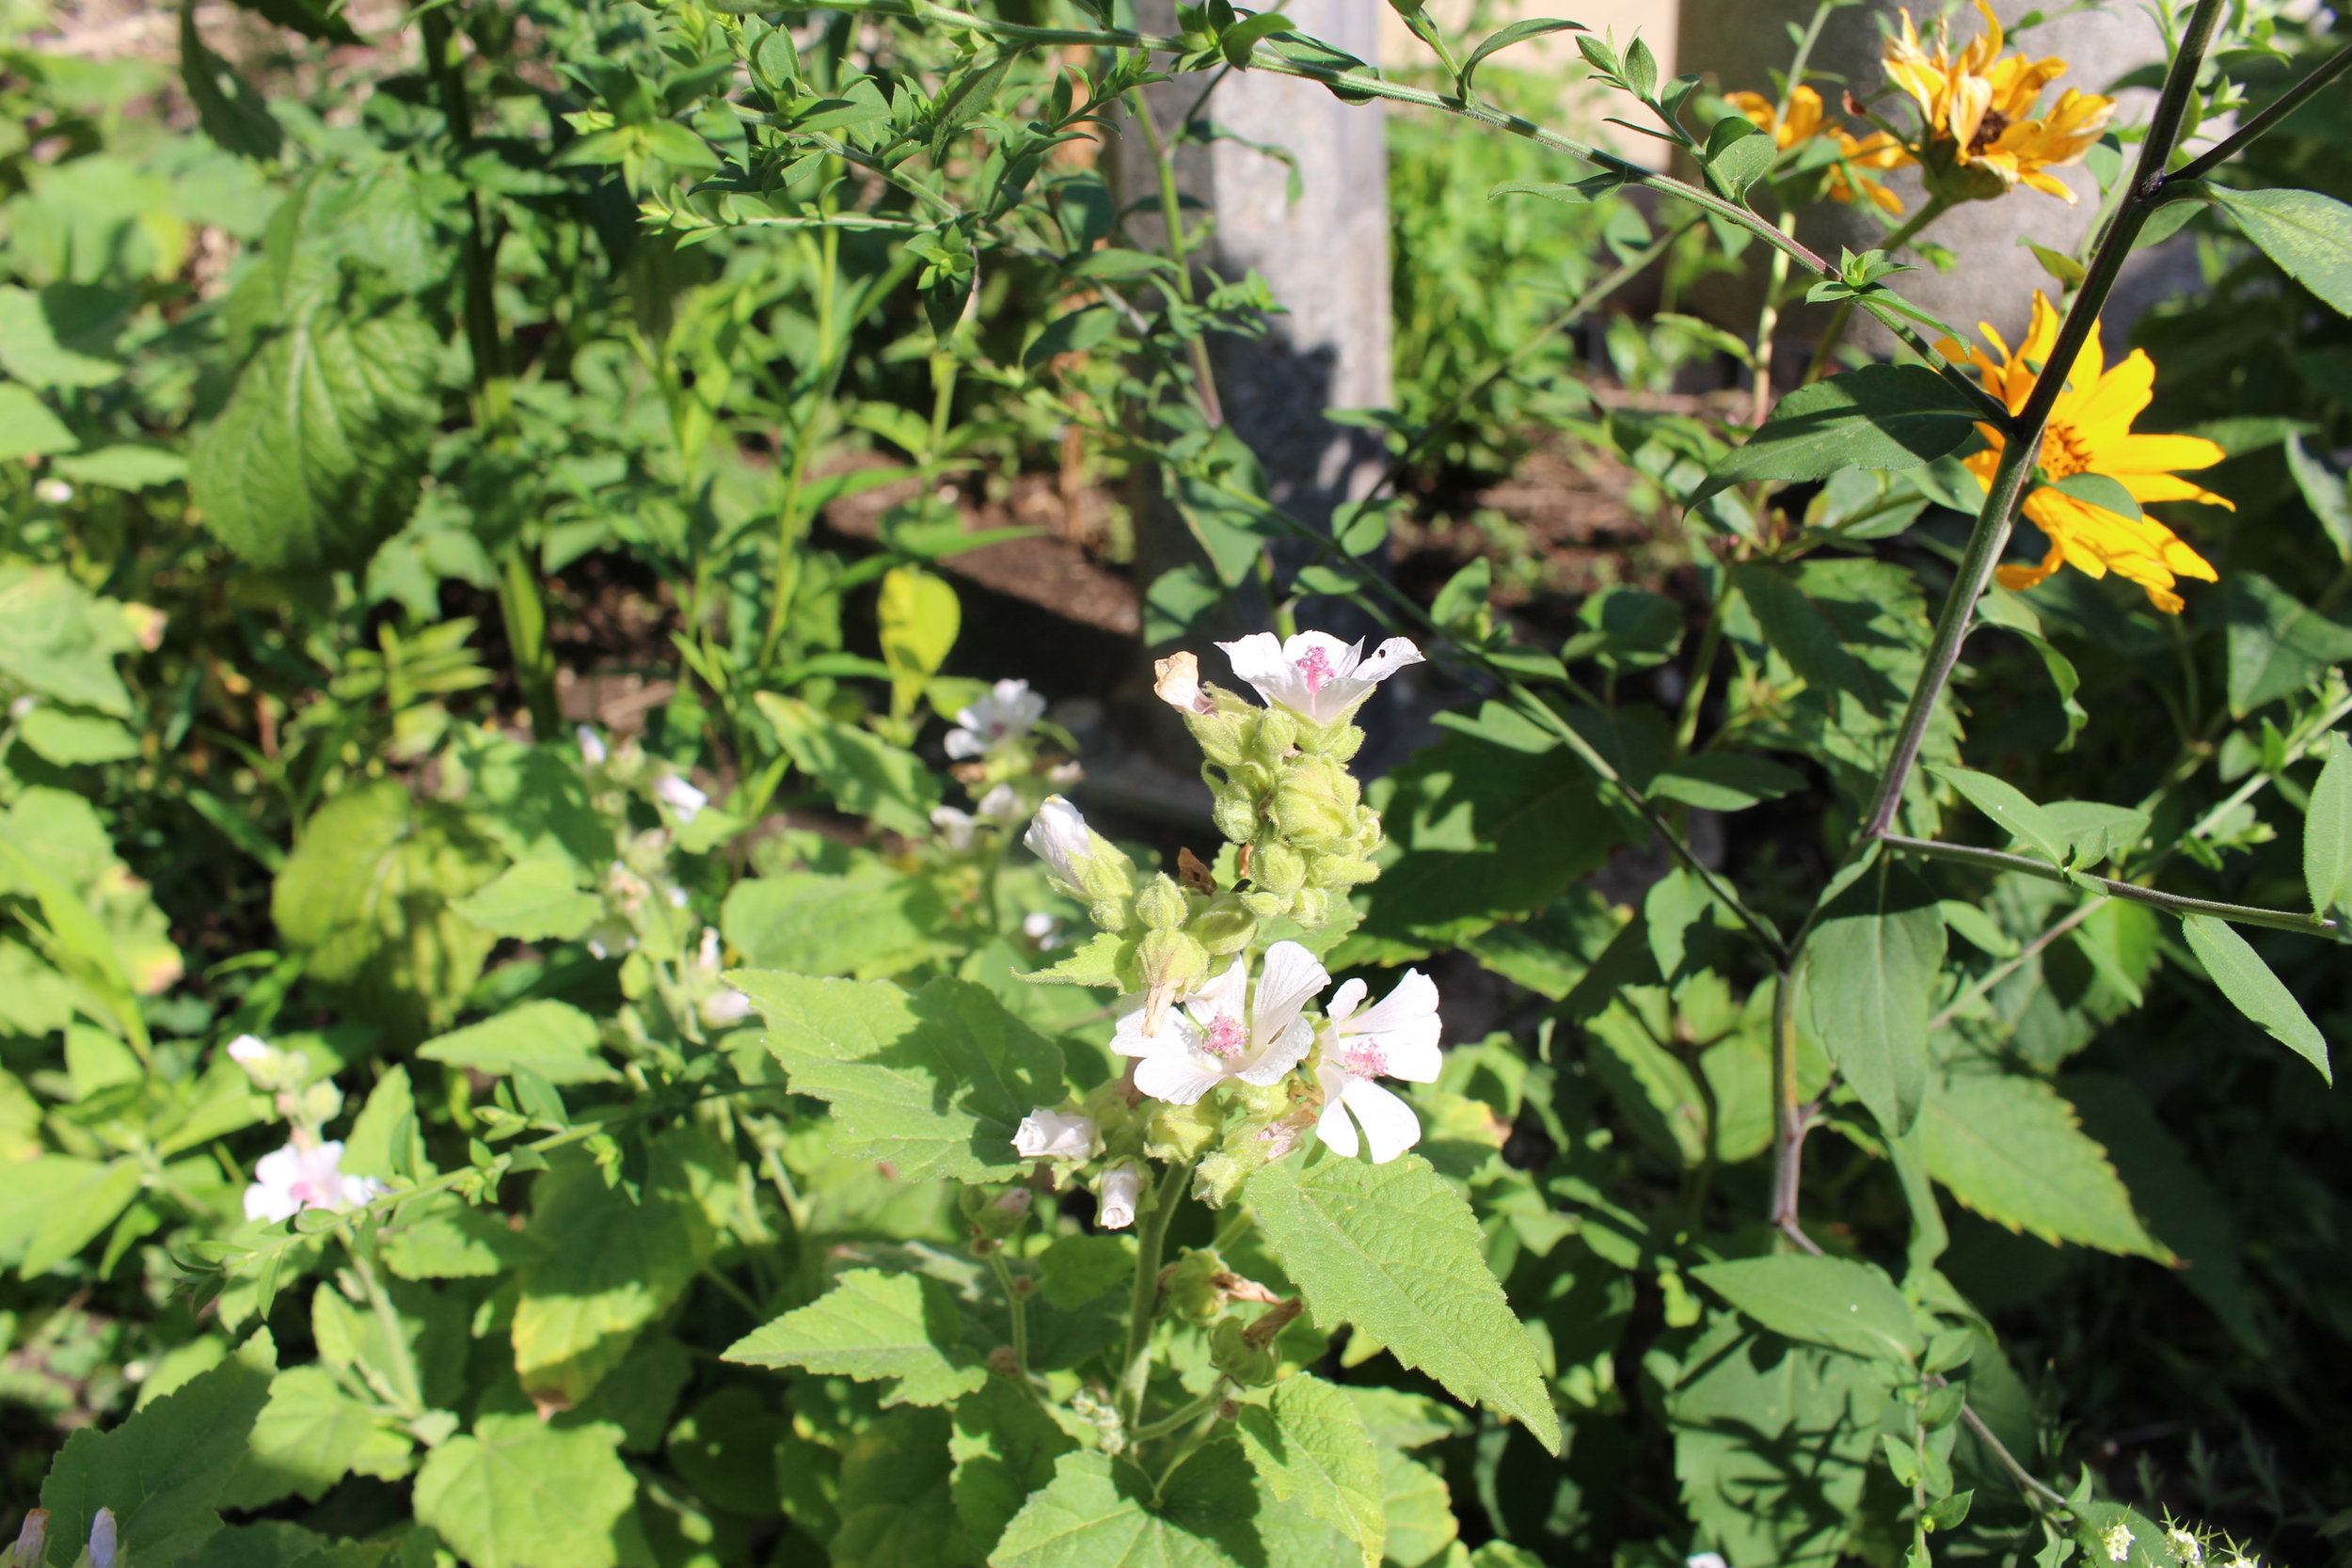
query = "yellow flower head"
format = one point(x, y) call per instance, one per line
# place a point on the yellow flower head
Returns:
point(1978, 108)
point(1806, 121)
point(2090, 433)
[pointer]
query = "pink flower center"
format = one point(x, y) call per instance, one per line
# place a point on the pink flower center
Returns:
point(1316, 668)
point(1364, 1058)
point(1225, 1037)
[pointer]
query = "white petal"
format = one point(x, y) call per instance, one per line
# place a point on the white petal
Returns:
point(1273, 1060)
point(1259, 660)
point(1127, 1036)
point(1416, 1061)
point(1334, 1128)
point(1390, 1125)
point(965, 744)
point(1345, 999)
point(1391, 656)
point(1414, 998)
point(265, 1201)
point(1221, 996)
point(1175, 1076)
point(1292, 979)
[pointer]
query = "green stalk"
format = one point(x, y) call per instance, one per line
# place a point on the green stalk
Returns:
point(1843, 316)
point(2171, 903)
point(1179, 251)
point(1144, 1296)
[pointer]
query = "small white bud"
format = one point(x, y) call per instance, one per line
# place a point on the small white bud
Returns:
point(1040, 928)
point(591, 750)
point(2185, 1546)
point(681, 797)
point(1704, 1560)
point(1058, 836)
point(1122, 1186)
point(102, 1539)
point(56, 492)
point(1046, 1134)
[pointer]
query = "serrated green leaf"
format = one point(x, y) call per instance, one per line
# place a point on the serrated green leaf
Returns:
point(934, 1081)
point(2308, 234)
point(554, 1039)
point(1395, 1250)
point(518, 1493)
point(2009, 1147)
point(1311, 1450)
point(1870, 975)
point(1005, 1447)
point(2328, 830)
point(2327, 493)
point(867, 926)
point(314, 461)
point(873, 1326)
point(1097, 963)
point(162, 1471)
point(611, 1266)
point(1879, 417)
point(1099, 1513)
point(2234, 966)
point(308, 1436)
point(2009, 808)
point(533, 900)
point(1832, 1301)
point(450, 1241)
point(31, 352)
point(865, 775)
point(1418, 1507)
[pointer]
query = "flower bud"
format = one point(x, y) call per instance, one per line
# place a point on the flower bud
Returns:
point(1279, 868)
point(1316, 805)
point(1191, 1291)
point(1178, 1133)
point(33, 1538)
point(1274, 737)
point(1236, 816)
point(1161, 904)
point(1116, 1195)
point(1339, 742)
point(102, 1540)
point(995, 1216)
point(1223, 924)
point(592, 749)
point(1046, 1134)
point(1312, 906)
point(1268, 906)
point(1082, 859)
point(1231, 1351)
point(1169, 963)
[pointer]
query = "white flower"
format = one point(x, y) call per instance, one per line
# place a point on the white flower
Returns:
point(56, 492)
point(1001, 805)
point(1214, 1038)
point(683, 798)
point(2185, 1546)
point(996, 720)
point(1176, 681)
point(102, 1540)
point(1315, 675)
point(1396, 1040)
point(249, 1050)
point(2116, 1540)
point(1115, 1209)
point(1704, 1560)
point(591, 750)
point(1060, 836)
point(955, 827)
point(294, 1179)
point(32, 1538)
point(723, 1008)
point(1046, 1134)
point(1040, 928)
point(1062, 775)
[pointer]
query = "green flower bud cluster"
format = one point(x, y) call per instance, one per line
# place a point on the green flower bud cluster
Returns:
point(1282, 791)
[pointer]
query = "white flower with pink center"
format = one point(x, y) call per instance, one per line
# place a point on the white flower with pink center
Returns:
point(294, 1179)
point(996, 720)
point(1221, 1031)
point(1314, 675)
point(1396, 1040)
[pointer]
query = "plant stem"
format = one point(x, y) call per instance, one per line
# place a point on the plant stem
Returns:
point(2172, 903)
point(1172, 219)
point(1843, 316)
point(1016, 1307)
point(1192, 1412)
point(1768, 323)
point(1789, 1116)
point(1143, 1298)
point(2277, 110)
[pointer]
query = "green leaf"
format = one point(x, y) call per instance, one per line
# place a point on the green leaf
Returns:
point(315, 457)
point(2327, 494)
point(2308, 234)
point(1311, 1451)
point(2277, 644)
point(27, 428)
point(612, 1263)
point(449, 1241)
point(30, 350)
point(934, 1083)
point(162, 1471)
point(1724, 781)
point(308, 1436)
point(516, 1493)
point(76, 1199)
point(231, 112)
point(1395, 1250)
point(1801, 632)
point(1737, 153)
point(1870, 975)
point(2009, 1147)
point(55, 640)
point(2232, 965)
point(533, 900)
point(2009, 808)
point(553, 1039)
point(1099, 1513)
point(2328, 830)
point(1580, 194)
point(2094, 831)
point(70, 739)
point(1005, 1447)
point(1879, 417)
point(865, 776)
point(1822, 1301)
point(1519, 32)
point(2102, 491)
point(366, 896)
point(873, 1326)
point(869, 925)
point(1419, 1509)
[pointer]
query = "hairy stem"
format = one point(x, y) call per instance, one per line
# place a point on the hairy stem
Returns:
point(1144, 1297)
point(1172, 219)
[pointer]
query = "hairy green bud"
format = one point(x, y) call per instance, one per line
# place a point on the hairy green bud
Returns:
point(1279, 868)
point(1161, 904)
point(1176, 1135)
point(1232, 1351)
point(1236, 816)
point(1274, 737)
point(1192, 1291)
point(1339, 742)
point(1315, 806)
point(1223, 924)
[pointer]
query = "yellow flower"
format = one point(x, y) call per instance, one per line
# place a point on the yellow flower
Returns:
point(1978, 108)
point(2090, 433)
point(1805, 122)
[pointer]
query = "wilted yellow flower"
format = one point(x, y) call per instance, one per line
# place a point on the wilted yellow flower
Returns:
point(1978, 108)
point(2090, 433)
point(1806, 121)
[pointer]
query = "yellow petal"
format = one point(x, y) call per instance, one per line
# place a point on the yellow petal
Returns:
point(2018, 578)
point(2106, 412)
point(2157, 454)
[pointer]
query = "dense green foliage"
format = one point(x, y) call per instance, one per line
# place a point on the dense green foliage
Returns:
point(436, 1130)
